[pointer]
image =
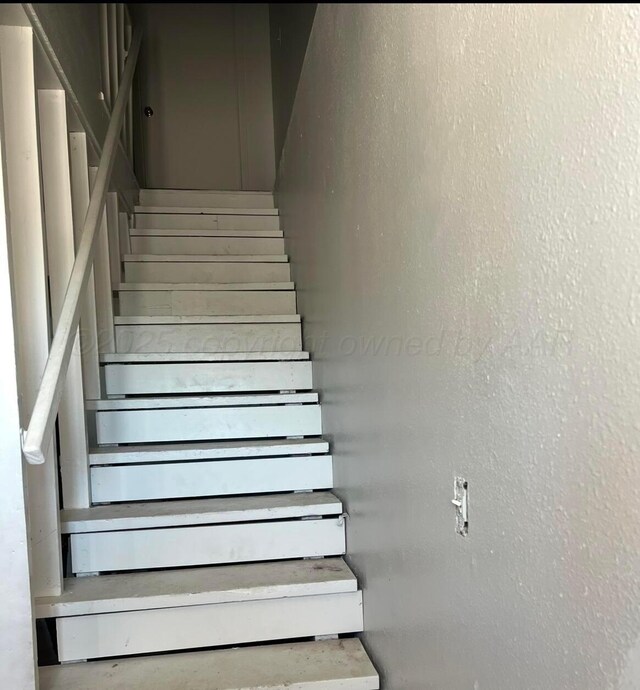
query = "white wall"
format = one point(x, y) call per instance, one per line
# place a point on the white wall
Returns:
point(73, 32)
point(205, 70)
point(17, 629)
point(465, 178)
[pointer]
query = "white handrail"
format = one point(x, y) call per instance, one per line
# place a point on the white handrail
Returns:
point(37, 437)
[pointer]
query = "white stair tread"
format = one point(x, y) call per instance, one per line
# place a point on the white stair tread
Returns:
point(209, 450)
point(197, 586)
point(202, 232)
point(203, 258)
point(223, 287)
point(238, 318)
point(323, 665)
point(204, 210)
point(126, 516)
point(130, 357)
point(179, 402)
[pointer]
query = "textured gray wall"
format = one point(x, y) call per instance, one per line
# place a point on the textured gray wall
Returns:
point(464, 179)
point(290, 26)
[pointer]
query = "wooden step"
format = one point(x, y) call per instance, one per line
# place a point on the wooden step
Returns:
point(212, 450)
point(178, 271)
point(137, 516)
point(222, 246)
point(205, 198)
point(206, 302)
point(177, 480)
point(323, 665)
point(131, 536)
point(206, 377)
point(197, 586)
point(222, 219)
point(201, 401)
point(268, 339)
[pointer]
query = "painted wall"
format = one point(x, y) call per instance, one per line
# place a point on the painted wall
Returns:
point(290, 27)
point(73, 30)
point(205, 71)
point(461, 194)
point(17, 629)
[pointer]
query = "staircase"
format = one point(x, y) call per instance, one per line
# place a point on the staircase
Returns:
point(211, 557)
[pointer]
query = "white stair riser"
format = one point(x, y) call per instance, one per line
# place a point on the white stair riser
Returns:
point(210, 221)
point(208, 544)
point(205, 272)
point(199, 424)
point(205, 198)
point(139, 632)
point(268, 337)
point(225, 246)
point(206, 377)
point(206, 303)
point(213, 478)
point(202, 232)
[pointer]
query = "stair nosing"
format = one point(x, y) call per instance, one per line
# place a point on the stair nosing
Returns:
point(197, 512)
point(169, 402)
point(206, 450)
point(204, 211)
point(204, 287)
point(173, 588)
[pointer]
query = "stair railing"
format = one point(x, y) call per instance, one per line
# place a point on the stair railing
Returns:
point(38, 435)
